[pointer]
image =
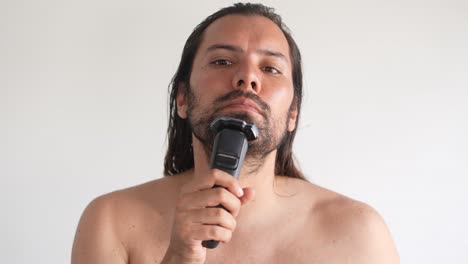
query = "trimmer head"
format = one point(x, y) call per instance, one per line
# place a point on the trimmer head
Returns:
point(250, 130)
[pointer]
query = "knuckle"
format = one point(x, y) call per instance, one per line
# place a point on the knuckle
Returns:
point(214, 177)
point(216, 173)
point(233, 183)
point(234, 210)
point(233, 224)
point(227, 237)
point(218, 212)
point(211, 181)
point(215, 213)
point(237, 203)
point(221, 176)
point(213, 232)
point(220, 192)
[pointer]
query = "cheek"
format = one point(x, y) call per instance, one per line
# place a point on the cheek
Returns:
point(206, 81)
point(279, 99)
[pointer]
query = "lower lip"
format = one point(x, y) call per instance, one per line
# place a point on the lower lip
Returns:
point(243, 107)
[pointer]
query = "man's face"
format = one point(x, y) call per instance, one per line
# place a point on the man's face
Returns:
point(242, 69)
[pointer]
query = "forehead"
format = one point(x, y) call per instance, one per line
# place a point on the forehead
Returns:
point(247, 32)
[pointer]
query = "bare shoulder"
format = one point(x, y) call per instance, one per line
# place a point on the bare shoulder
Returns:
point(345, 227)
point(109, 222)
point(357, 229)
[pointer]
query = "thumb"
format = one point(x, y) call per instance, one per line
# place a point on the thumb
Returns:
point(249, 195)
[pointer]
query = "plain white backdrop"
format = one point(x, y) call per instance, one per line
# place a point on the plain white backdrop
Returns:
point(83, 111)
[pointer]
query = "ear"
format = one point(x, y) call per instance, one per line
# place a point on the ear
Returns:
point(181, 101)
point(292, 116)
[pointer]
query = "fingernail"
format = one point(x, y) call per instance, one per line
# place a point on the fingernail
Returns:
point(240, 192)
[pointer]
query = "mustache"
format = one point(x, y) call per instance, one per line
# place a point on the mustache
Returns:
point(218, 103)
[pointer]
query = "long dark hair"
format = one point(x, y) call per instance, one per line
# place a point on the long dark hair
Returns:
point(179, 155)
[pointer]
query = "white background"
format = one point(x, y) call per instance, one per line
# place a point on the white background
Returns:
point(83, 111)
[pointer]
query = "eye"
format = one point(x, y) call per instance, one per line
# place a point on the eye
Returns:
point(272, 70)
point(222, 62)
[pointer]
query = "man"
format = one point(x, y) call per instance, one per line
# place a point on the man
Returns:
point(240, 62)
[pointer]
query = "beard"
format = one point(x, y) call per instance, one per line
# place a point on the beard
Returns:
point(200, 118)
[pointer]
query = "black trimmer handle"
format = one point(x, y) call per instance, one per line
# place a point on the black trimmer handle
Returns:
point(229, 149)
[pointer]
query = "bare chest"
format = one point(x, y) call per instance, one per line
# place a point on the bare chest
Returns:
point(281, 245)
point(279, 250)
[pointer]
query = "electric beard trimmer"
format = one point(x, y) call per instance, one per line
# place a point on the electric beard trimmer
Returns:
point(229, 149)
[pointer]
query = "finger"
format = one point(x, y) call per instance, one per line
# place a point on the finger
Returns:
point(211, 232)
point(227, 181)
point(212, 178)
point(214, 216)
point(200, 183)
point(210, 198)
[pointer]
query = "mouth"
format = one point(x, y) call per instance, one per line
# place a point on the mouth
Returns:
point(244, 104)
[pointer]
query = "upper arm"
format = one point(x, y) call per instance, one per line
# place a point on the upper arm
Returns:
point(96, 238)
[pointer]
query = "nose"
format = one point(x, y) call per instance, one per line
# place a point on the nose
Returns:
point(247, 78)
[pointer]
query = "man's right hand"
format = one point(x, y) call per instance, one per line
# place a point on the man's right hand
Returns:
point(197, 218)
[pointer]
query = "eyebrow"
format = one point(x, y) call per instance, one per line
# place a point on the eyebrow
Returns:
point(238, 49)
